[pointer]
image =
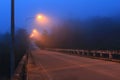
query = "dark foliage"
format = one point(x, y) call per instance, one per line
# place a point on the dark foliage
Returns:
point(4, 56)
point(21, 46)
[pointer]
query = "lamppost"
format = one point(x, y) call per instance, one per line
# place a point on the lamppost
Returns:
point(39, 18)
point(12, 55)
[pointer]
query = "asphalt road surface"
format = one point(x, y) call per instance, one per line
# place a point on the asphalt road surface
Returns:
point(47, 65)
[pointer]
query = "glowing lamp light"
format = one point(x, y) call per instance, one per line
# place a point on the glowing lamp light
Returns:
point(34, 31)
point(39, 16)
point(32, 35)
point(42, 19)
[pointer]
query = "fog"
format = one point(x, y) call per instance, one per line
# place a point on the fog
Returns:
point(95, 33)
point(74, 24)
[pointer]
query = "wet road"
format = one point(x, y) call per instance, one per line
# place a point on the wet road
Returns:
point(47, 65)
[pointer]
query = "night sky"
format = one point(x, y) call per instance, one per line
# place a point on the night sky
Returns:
point(57, 9)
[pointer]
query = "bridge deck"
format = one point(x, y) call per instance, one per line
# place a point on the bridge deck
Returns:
point(46, 65)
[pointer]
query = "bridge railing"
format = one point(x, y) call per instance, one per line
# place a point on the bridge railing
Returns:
point(103, 54)
point(21, 70)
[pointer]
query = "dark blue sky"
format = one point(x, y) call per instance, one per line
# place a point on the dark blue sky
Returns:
point(57, 9)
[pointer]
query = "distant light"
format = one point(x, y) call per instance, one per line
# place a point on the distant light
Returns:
point(42, 19)
point(32, 35)
point(34, 31)
point(35, 34)
point(39, 16)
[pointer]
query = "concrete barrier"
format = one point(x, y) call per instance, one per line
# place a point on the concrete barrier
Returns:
point(104, 54)
point(20, 73)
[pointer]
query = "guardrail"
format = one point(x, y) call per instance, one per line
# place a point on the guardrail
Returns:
point(112, 55)
point(21, 70)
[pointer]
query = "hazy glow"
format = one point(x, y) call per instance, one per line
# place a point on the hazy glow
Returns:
point(35, 34)
point(32, 35)
point(42, 19)
point(34, 31)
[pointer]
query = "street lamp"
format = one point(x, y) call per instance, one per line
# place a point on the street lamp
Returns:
point(40, 19)
point(34, 31)
point(39, 16)
point(34, 34)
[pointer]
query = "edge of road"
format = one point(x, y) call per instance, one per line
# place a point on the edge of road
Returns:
point(92, 57)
